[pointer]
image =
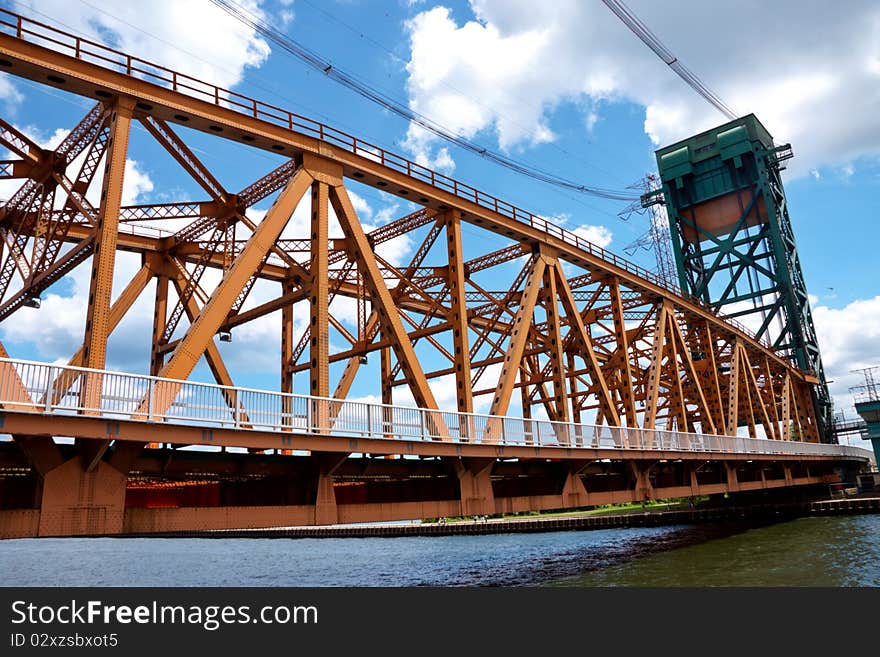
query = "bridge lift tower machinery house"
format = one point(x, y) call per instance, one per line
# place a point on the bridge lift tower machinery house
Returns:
point(734, 245)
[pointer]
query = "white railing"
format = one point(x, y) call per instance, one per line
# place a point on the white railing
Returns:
point(36, 387)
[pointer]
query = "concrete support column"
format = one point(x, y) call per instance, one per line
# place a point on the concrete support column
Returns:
point(695, 483)
point(81, 502)
point(574, 493)
point(326, 512)
point(641, 473)
point(732, 481)
point(475, 485)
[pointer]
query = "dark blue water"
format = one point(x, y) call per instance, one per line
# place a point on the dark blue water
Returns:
point(811, 551)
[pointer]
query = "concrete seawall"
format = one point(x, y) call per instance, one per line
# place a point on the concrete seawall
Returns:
point(756, 512)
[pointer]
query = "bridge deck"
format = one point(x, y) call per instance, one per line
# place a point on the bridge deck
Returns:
point(528, 465)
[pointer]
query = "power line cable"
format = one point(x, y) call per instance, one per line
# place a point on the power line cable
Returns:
point(635, 24)
point(519, 98)
point(319, 63)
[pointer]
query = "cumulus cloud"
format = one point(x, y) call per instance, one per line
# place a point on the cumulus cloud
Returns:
point(506, 70)
point(135, 183)
point(598, 235)
point(850, 339)
point(462, 76)
point(194, 37)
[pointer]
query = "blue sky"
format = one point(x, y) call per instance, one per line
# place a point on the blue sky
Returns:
point(564, 87)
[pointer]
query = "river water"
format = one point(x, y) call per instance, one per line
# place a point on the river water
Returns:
point(826, 551)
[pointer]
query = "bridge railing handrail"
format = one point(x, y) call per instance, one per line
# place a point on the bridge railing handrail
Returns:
point(33, 386)
point(81, 48)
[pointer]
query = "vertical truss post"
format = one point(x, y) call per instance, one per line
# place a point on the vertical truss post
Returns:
point(622, 352)
point(287, 286)
point(575, 401)
point(319, 325)
point(104, 258)
point(745, 373)
point(655, 371)
point(458, 314)
point(387, 391)
point(528, 425)
point(786, 408)
point(733, 381)
point(160, 315)
point(553, 343)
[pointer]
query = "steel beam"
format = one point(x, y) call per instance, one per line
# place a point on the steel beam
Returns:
point(360, 251)
point(319, 339)
point(94, 354)
point(458, 314)
point(104, 257)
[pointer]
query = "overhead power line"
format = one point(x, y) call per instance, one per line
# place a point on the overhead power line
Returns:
point(317, 62)
point(650, 39)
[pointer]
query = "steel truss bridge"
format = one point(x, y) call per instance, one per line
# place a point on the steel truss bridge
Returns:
point(644, 390)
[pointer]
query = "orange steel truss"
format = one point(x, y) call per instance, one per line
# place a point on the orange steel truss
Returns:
point(575, 331)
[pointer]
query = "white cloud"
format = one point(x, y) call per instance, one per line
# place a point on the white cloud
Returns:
point(505, 71)
point(135, 183)
point(463, 76)
point(598, 235)
point(590, 121)
point(11, 96)
point(194, 37)
point(419, 142)
point(849, 338)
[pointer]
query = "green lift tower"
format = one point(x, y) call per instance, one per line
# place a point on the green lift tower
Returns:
point(733, 241)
